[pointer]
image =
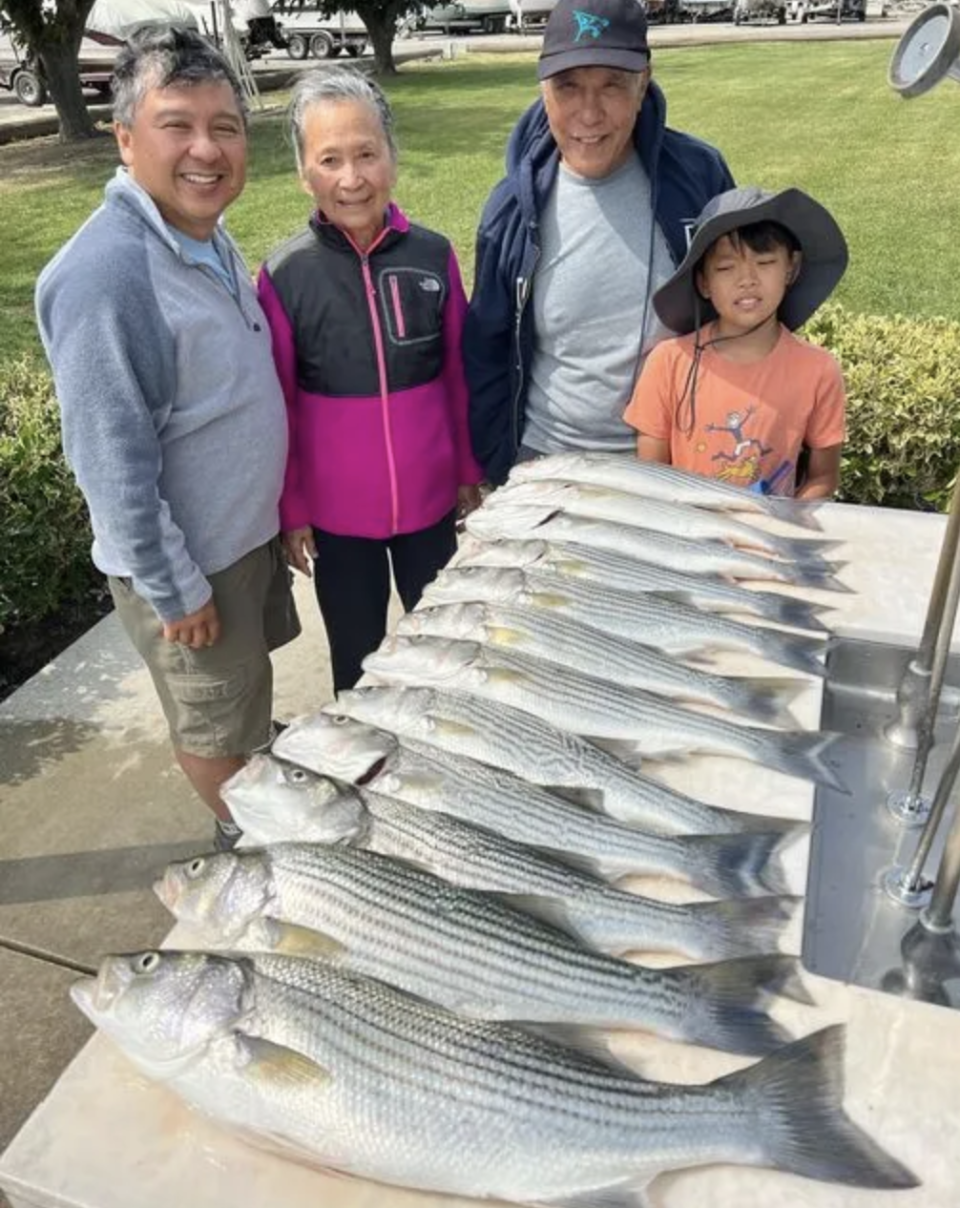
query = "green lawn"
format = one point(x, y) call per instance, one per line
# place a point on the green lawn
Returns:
point(817, 115)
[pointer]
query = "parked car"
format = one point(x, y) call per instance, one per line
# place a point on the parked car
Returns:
point(306, 31)
point(760, 10)
point(529, 13)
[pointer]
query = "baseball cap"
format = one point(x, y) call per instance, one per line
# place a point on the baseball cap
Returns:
point(594, 33)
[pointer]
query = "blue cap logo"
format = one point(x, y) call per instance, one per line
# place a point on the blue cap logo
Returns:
point(588, 23)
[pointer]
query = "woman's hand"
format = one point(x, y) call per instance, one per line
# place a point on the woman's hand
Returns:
point(468, 500)
point(300, 549)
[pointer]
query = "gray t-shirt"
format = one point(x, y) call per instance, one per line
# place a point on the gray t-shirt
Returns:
point(591, 282)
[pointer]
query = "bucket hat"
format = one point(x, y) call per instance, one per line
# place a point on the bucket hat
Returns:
point(594, 33)
point(823, 257)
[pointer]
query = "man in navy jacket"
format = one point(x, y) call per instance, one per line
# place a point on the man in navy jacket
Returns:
point(592, 217)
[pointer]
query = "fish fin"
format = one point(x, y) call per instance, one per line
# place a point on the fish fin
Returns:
point(634, 753)
point(817, 573)
point(767, 698)
point(797, 1096)
point(506, 675)
point(548, 599)
point(745, 865)
point(738, 926)
point(552, 911)
point(792, 650)
point(735, 822)
point(456, 728)
point(579, 1040)
point(293, 940)
point(788, 610)
point(632, 1195)
point(503, 635)
point(726, 1002)
point(800, 512)
point(282, 1067)
point(588, 799)
point(800, 753)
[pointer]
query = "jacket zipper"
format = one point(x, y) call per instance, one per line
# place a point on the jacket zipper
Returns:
point(382, 375)
point(524, 287)
point(397, 308)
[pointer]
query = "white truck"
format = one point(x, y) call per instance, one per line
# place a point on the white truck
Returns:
point(306, 31)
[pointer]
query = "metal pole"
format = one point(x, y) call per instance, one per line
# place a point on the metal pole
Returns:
point(938, 916)
point(914, 690)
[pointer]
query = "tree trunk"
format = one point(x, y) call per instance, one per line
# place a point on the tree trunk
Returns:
point(382, 27)
point(59, 59)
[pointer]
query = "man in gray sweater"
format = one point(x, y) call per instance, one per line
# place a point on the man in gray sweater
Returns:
point(173, 417)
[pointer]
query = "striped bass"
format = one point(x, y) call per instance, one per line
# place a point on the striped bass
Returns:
point(679, 520)
point(676, 629)
point(353, 1075)
point(623, 472)
point(466, 950)
point(734, 864)
point(627, 574)
point(271, 806)
point(583, 648)
point(693, 557)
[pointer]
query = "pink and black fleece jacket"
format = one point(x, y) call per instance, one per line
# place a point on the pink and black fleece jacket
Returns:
point(367, 347)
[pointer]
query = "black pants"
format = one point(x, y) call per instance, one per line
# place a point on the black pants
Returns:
point(352, 580)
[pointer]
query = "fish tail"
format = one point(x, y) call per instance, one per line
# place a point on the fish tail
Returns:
point(738, 927)
point(726, 1002)
point(745, 865)
point(786, 610)
point(800, 1122)
point(817, 572)
point(800, 753)
point(790, 650)
point(792, 511)
point(766, 698)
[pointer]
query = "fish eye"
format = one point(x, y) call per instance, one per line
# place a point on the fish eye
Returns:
point(341, 719)
point(196, 867)
point(146, 962)
point(298, 776)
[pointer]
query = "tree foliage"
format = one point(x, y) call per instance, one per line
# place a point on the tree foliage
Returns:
point(50, 33)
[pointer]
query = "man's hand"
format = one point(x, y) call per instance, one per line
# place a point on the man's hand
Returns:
point(300, 549)
point(200, 628)
point(468, 500)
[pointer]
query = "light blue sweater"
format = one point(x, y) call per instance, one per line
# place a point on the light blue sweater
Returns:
point(173, 418)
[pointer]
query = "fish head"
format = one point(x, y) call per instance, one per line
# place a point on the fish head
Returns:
point(460, 621)
point(165, 1008)
point(540, 492)
point(470, 584)
point(274, 801)
point(518, 521)
point(502, 553)
point(218, 894)
point(420, 659)
point(388, 706)
point(333, 744)
point(552, 465)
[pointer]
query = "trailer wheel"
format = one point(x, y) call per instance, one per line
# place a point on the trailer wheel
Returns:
point(354, 49)
point(29, 88)
point(494, 25)
point(321, 46)
point(297, 46)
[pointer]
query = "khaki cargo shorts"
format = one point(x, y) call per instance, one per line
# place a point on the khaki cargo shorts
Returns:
point(218, 700)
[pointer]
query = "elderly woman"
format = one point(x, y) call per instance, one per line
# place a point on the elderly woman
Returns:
point(366, 311)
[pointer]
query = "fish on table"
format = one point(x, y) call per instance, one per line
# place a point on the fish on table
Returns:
point(271, 805)
point(736, 864)
point(356, 1076)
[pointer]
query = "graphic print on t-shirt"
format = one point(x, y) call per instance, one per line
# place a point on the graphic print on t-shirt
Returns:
point(738, 456)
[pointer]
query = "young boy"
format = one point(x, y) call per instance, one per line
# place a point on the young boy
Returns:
point(737, 396)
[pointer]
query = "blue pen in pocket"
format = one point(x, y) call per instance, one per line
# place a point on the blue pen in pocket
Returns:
point(764, 486)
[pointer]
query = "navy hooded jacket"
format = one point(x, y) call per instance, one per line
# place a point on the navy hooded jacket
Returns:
point(498, 337)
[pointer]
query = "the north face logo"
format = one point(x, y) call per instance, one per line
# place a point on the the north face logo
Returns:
point(430, 285)
point(588, 24)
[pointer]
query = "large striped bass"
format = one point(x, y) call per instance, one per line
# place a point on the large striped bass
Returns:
point(555, 637)
point(674, 628)
point(647, 725)
point(725, 865)
point(627, 574)
point(646, 545)
point(526, 745)
point(463, 949)
point(651, 480)
point(272, 805)
point(353, 1075)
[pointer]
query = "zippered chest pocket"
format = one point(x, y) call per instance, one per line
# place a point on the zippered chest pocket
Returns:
point(411, 300)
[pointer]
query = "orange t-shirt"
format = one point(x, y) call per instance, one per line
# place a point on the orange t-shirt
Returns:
point(749, 420)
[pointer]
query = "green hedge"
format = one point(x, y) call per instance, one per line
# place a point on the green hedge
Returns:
point(903, 449)
point(44, 531)
point(903, 405)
